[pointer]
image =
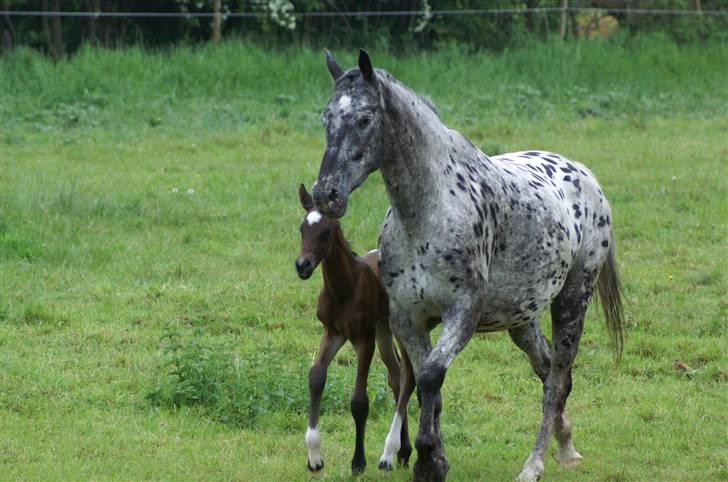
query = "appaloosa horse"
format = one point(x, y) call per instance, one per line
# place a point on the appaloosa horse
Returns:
point(352, 306)
point(477, 243)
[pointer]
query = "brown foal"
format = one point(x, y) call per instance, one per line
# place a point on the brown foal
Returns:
point(352, 306)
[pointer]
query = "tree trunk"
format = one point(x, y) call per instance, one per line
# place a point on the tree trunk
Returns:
point(93, 6)
point(530, 22)
point(216, 21)
point(562, 25)
point(8, 30)
point(57, 32)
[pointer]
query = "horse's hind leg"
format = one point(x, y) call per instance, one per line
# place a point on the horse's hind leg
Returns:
point(364, 348)
point(330, 345)
point(567, 314)
point(530, 339)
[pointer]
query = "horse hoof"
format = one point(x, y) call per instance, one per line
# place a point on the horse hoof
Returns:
point(385, 465)
point(531, 473)
point(570, 458)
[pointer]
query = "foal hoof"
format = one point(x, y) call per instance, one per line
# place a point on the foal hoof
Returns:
point(317, 469)
point(357, 467)
point(386, 465)
point(403, 456)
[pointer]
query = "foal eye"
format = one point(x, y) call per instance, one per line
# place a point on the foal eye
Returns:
point(363, 122)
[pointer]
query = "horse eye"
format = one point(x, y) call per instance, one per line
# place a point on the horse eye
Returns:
point(363, 122)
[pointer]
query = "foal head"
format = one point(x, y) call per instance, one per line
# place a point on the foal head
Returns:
point(353, 120)
point(317, 234)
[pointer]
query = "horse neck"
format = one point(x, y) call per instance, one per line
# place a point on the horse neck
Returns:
point(338, 266)
point(416, 143)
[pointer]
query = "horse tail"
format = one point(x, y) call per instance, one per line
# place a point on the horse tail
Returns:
point(609, 290)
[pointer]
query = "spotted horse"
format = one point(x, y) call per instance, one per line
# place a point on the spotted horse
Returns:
point(474, 242)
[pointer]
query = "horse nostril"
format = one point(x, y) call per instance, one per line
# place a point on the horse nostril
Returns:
point(333, 194)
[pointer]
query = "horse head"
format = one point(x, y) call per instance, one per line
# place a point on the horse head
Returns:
point(353, 121)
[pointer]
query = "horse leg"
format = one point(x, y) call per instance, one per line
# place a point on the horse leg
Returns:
point(360, 401)
point(330, 345)
point(459, 324)
point(398, 441)
point(567, 314)
point(530, 339)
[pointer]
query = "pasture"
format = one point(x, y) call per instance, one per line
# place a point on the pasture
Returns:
point(152, 325)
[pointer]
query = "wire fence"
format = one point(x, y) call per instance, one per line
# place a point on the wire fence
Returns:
point(378, 13)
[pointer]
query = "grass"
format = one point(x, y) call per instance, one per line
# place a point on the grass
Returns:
point(151, 322)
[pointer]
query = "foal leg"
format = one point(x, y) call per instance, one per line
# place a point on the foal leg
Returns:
point(398, 441)
point(330, 345)
point(360, 401)
point(567, 315)
point(530, 339)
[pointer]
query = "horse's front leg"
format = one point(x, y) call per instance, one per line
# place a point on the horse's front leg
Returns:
point(459, 324)
point(330, 345)
point(398, 441)
point(364, 348)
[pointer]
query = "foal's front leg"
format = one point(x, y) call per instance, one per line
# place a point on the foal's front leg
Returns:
point(364, 348)
point(330, 345)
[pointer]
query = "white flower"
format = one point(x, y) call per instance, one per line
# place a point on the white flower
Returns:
point(175, 190)
point(190, 191)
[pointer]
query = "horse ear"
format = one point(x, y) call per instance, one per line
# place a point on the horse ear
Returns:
point(334, 69)
point(305, 197)
point(365, 66)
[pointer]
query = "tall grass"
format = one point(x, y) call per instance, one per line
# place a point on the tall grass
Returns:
point(236, 85)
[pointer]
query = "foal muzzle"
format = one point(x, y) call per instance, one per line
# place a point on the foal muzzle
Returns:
point(305, 267)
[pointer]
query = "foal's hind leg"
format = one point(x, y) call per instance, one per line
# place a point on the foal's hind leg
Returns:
point(530, 339)
point(364, 348)
point(330, 345)
point(397, 441)
point(567, 315)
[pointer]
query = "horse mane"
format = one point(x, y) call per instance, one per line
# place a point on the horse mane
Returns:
point(383, 74)
point(422, 97)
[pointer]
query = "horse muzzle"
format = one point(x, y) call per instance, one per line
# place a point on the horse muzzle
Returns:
point(329, 200)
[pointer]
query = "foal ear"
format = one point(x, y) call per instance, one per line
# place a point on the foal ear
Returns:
point(305, 197)
point(365, 66)
point(334, 69)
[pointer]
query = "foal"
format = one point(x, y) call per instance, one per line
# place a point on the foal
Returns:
point(352, 306)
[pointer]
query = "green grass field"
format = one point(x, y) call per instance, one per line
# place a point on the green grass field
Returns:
point(152, 325)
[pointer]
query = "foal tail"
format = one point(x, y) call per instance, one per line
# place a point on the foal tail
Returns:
point(609, 290)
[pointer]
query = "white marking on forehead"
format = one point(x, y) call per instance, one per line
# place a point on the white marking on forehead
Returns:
point(344, 102)
point(313, 217)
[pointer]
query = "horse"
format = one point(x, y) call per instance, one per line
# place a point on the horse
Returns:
point(353, 306)
point(476, 243)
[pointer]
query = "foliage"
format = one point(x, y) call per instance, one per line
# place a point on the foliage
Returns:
point(238, 389)
point(277, 24)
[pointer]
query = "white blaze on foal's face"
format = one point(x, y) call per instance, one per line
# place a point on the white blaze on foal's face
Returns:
point(313, 217)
